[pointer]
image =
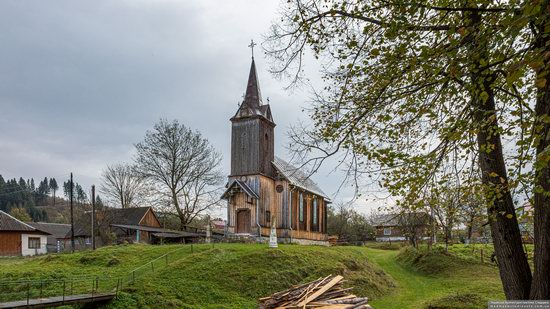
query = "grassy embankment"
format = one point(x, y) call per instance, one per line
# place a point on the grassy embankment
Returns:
point(235, 275)
point(228, 275)
point(436, 280)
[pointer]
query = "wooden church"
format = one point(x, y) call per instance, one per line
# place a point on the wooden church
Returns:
point(264, 190)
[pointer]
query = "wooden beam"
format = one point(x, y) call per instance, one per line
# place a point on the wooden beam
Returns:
point(322, 290)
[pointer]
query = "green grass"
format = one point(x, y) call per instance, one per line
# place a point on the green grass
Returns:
point(435, 280)
point(106, 261)
point(49, 273)
point(236, 275)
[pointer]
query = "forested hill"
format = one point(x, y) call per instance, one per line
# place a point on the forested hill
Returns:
point(23, 198)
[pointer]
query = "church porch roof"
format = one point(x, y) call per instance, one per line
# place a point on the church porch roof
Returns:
point(239, 186)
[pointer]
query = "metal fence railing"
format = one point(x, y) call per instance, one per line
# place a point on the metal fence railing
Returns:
point(18, 290)
point(28, 289)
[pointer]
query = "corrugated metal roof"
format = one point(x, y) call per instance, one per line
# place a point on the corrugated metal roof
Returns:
point(9, 223)
point(297, 177)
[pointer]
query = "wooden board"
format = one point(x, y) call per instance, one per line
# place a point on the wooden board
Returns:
point(322, 290)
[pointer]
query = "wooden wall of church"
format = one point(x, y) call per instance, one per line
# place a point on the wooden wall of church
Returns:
point(252, 147)
point(245, 156)
point(307, 223)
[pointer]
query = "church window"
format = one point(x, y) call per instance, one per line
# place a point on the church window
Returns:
point(314, 210)
point(301, 211)
point(268, 216)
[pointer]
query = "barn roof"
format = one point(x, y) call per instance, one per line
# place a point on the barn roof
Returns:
point(57, 230)
point(132, 215)
point(297, 177)
point(9, 223)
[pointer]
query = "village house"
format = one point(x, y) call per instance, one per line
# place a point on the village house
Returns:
point(20, 239)
point(401, 227)
point(264, 190)
point(59, 238)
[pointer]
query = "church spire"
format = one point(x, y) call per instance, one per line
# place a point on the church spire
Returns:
point(253, 97)
point(252, 104)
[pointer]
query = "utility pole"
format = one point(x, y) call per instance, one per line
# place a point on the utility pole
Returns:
point(72, 217)
point(93, 217)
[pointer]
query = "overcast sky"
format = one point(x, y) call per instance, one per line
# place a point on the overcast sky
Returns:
point(81, 81)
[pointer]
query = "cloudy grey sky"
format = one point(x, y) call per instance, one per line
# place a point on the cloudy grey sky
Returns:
point(81, 81)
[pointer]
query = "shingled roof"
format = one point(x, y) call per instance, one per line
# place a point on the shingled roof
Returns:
point(57, 230)
point(9, 223)
point(297, 177)
point(252, 104)
point(385, 220)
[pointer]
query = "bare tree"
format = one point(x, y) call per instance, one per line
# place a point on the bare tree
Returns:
point(413, 225)
point(182, 165)
point(122, 186)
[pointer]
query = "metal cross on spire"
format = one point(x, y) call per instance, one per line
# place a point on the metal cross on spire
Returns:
point(252, 44)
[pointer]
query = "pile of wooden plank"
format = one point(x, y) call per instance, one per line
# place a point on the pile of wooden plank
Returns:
point(327, 293)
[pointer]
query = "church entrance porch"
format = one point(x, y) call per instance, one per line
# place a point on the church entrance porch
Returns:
point(243, 221)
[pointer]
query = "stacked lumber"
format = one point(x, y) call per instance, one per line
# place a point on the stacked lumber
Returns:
point(327, 293)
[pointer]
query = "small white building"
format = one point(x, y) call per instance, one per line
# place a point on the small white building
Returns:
point(20, 239)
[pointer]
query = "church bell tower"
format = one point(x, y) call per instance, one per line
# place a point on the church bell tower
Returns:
point(252, 133)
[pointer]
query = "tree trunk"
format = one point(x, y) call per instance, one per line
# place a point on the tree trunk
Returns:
point(181, 215)
point(470, 229)
point(540, 288)
point(514, 269)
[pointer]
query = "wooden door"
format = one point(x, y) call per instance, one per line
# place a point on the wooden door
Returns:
point(243, 221)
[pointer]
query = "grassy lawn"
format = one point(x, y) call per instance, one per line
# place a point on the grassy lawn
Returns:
point(436, 281)
point(236, 275)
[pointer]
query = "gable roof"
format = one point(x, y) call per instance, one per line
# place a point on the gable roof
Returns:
point(297, 177)
point(386, 220)
point(57, 230)
point(129, 216)
point(236, 186)
point(9, 223)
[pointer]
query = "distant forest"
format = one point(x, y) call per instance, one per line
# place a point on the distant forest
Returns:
point(21, 198)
